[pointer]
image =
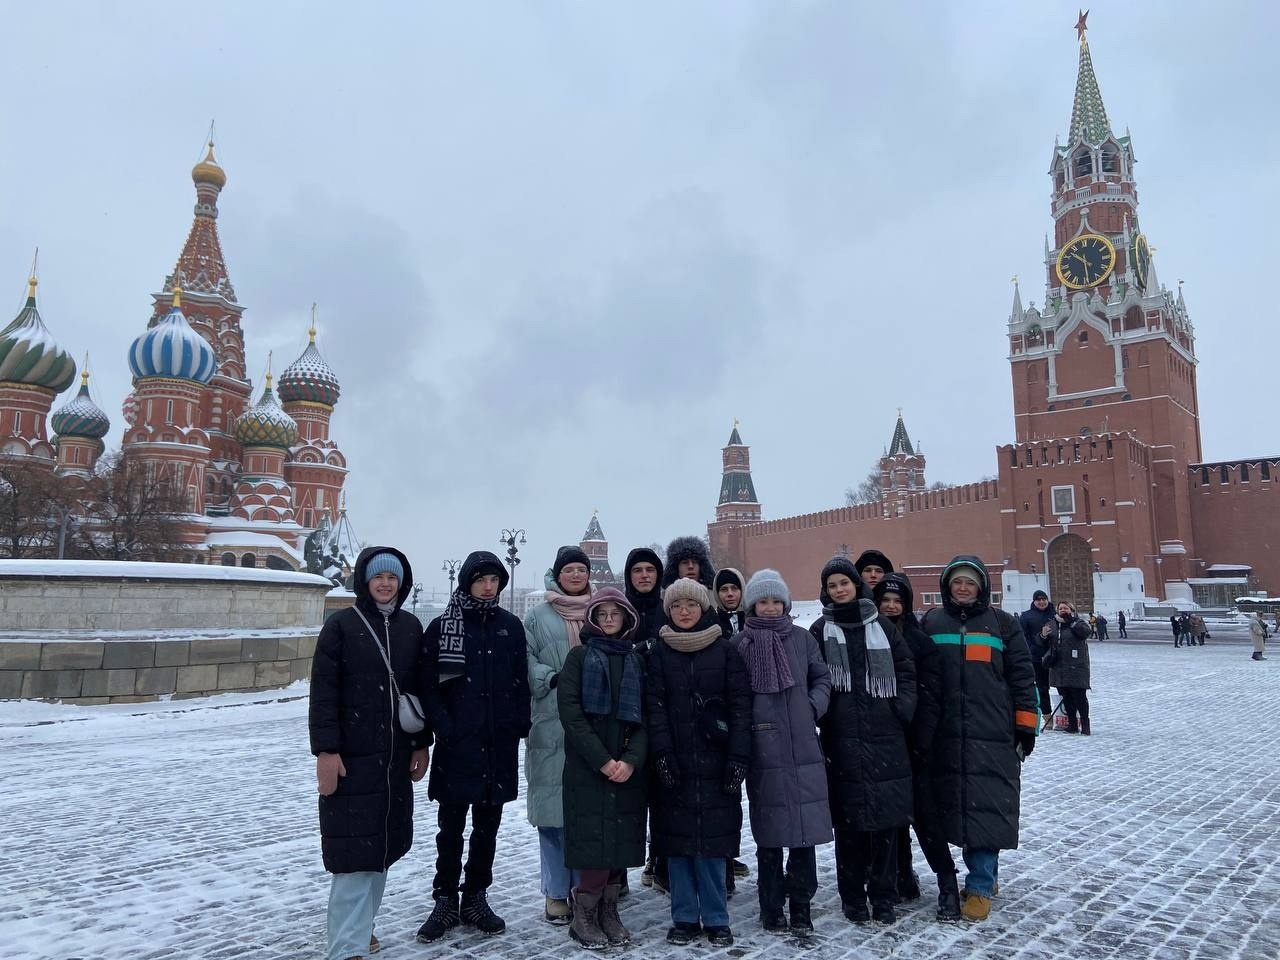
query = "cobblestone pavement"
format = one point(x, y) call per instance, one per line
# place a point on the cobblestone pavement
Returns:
point(183, 830)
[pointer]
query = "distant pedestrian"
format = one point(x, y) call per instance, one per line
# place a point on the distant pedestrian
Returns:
point(1198, 629)
point(1092, 624)
point(600, 696)
point(366, 763)
point(1258, 633)
point(551, 630)
point(1102, 627)
point(787, 785)
point(1184, 625)
point(1176, 623)
point(1121, 623)
point(699, 715)
point(479, 710)
point(1067, 656)
point(986, 727)
point(1037, 623)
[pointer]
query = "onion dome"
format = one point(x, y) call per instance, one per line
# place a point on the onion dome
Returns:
point(28, 353)
point(309, 377)
point(173, 349)
point(265, 424)
point(129, 408)
point(208, 171)
point(81, 417)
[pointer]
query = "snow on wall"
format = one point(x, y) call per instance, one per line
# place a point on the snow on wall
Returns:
point(130, 570)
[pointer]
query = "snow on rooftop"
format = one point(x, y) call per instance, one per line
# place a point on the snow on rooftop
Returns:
point(131, 570)
point(248, 538)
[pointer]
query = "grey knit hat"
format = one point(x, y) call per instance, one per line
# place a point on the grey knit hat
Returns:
point(685, 589)
point(763, 585)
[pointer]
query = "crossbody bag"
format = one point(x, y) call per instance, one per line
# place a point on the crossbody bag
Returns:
point(409, 712)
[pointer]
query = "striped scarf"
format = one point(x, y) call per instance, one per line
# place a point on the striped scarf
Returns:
point(881, 679)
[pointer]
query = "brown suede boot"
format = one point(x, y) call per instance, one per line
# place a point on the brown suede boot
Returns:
point(584, 927)
point(609, 921)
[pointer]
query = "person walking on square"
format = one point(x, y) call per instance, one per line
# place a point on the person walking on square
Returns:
point(1177, 630)
point(1121, 622)
point(551, 629)
point(1258, 634)
point(1067, 656)
point(699, 715)
point(1102, 627)
point(987, 725)
point(600, 697)
point(1037, 625)
point(864, 737)
point(1198, 628)
point(479, 710)
point(787, 784)
point(366, 764)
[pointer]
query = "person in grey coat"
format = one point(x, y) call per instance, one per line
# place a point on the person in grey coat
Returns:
point(787, 782)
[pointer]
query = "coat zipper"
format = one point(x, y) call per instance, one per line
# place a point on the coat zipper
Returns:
point(391, 696)
point(964, 721)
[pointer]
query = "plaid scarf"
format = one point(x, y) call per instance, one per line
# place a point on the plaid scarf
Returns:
point(763, 647)
point(881, 679)
point(597, 691)
point(453, 632)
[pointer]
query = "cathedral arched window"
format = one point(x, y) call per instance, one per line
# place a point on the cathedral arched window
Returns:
point(248, 560)
point(228, 559)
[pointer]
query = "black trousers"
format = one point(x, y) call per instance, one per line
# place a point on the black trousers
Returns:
point(1075, 702)
point(452, 820)
point(799, 883)
point(1042, 687)
point(870, 857)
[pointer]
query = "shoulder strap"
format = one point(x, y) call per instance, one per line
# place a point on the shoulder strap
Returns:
point(386, 658)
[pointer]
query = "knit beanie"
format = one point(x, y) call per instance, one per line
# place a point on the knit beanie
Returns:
point(685, 589)
point(873, 558)
point(383, 563)
point(966, 570)
point(840, 564)
point(763, 585)
point(567, 555)
point(728, 575)
point(1039, 595)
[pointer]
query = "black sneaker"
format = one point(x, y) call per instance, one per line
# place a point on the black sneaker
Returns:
point(477, 913)
point(720, 936)
point(444, 917)
point(683, 934)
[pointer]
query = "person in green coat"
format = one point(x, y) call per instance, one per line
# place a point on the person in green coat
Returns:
point(600, 695)
point(551, 629)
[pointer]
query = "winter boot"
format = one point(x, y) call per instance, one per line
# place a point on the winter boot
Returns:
point(609, 922)
point(444, 917)
point(882, 912)
point(683, 934)
point(1084, 726)
point(908, 886)
point(557, 911)
point(740, 869)
point(374, 945)
point(948, 898)
point(1072, 726)
point(584, 927)
point(801, 923)
point(720, 936)
point(976, 907)
point(855, 911)
point(477, 913)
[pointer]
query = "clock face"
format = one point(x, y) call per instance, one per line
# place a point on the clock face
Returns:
point(1086, 261)
point(1141, 255)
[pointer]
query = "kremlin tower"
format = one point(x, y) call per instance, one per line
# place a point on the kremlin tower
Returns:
point(595, 546)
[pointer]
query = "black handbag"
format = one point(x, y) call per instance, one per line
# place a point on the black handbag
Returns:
point(711, 719)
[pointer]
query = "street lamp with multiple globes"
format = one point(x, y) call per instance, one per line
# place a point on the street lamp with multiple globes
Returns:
point(451, 568)
point(512, 560)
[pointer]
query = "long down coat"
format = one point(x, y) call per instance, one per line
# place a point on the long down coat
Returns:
point(366, 825)
point(1069, 647)
point(988, 691)
point(787, 785)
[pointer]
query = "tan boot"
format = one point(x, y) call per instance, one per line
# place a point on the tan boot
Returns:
point(584, 928)
point(610, 923)
point(976, 907)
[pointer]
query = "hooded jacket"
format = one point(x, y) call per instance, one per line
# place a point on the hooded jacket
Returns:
point(367, 823)
point(873, 558)
point(1032, 622)
point(648, 606)
point(688, 548)
point(731, 621)
point(987, 692)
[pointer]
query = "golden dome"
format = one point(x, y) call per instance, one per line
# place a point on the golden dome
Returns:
point(208, 171)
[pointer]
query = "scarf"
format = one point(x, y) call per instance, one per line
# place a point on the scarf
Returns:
point(572, 610)
point(691, 641)
point(597, 691)
point(764, 648)
point(386, 609)
point(453, 632)
point(881, 680)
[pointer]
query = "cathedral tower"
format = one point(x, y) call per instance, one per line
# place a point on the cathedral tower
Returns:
point(33, 371)
point(316, 468)
point(80, 425)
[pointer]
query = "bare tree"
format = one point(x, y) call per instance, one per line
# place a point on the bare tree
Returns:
point(868, 491)
point(32, 500)
point(131, 514)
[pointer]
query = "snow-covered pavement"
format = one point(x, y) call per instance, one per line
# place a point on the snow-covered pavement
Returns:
point(189, 830)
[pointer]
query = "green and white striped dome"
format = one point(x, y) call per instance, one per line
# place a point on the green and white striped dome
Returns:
point(28, 353)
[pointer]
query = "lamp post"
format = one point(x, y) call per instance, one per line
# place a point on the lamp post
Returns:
point(451, 568)
point(512, 560)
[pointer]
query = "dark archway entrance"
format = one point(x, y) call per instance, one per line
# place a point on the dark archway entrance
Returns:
point(1071, 572)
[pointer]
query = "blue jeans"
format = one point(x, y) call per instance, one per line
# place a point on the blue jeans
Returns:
point(354, 899)
point(556, 877)
point(984, 870)
point(698, 890)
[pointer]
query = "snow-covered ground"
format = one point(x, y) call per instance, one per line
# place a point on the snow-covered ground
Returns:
point(188, 830)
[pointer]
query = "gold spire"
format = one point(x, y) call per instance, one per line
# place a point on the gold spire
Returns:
point(84, 372)
point(312, 332)
point(177, 296)
point(269, 352)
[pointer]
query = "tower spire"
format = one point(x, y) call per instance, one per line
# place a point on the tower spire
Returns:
point(1089, 122)
point(901, 443)
point(1015, 314)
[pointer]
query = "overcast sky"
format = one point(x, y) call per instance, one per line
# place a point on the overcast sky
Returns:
point(558, 247)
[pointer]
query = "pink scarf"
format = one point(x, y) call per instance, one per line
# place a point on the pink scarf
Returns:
point(573, 611)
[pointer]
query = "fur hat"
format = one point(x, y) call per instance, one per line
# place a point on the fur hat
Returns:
point(685, 589)
point(567, 555)
point(763, 585)
point(688, 548)
point(383, 563)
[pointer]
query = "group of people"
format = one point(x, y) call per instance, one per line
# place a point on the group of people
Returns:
point(1189, 629)
point(646, 710)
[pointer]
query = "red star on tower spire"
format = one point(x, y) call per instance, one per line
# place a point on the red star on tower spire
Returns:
point(1082, 25)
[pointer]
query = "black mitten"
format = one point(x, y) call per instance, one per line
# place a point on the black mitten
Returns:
point(1026, 740)
point(734, 774)
point(668, 772)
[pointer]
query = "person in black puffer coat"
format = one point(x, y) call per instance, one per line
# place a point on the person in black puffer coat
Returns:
point(689, 557)
point(896, 599)
point(365, 764)
point(643, 587)
point(727, 598)
point(987, 724)
point(1066, 656)
point(864, 737)
point(479, 709)
point(1037, 624)
point(699, 715)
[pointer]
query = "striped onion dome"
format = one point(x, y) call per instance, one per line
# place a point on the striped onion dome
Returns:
point(265, 424)
point(173, 349)
point(309, 378)
point(80, 417)
point(28, 353)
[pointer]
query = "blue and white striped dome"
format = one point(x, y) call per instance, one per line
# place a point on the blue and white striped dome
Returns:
point(173, 349)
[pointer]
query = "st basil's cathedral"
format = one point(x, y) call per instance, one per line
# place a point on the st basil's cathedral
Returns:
point(258, 475)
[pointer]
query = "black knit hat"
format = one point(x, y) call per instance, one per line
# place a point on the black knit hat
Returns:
point(895, 583)
point(567, 555)
point(873, 558)
point(1039, 595)
point(843, 565)
point(728, 575)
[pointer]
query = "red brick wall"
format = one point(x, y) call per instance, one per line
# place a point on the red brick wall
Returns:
point(1239, 521)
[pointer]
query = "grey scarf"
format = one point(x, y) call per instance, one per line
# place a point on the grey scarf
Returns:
point(882, 680)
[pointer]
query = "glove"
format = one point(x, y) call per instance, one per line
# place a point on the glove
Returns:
point(551, 684)
point(734, 774)
point(668, 772)
point(1026, 740)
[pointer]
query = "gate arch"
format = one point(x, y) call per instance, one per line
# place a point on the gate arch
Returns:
point(1070, 564)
